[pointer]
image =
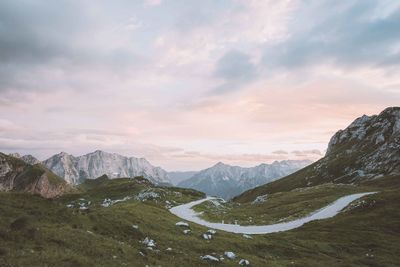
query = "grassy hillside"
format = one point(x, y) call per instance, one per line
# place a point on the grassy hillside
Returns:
point(38, 232)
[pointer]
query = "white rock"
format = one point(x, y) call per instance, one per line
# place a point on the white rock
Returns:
point(135, 226)
point(182, 224)
point(147, 195)
point(168, 249)
point(187, 231)
point(149, 242)
point(379, 139)
point(106, 203)
point(230, 255)
point(247, 236)
point(212, 231)
point(209, 258)
point(244, 262)
point(260, 199)
point(207, 236)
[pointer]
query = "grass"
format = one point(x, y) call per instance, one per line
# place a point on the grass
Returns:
point(39, 232)
point(278, 207)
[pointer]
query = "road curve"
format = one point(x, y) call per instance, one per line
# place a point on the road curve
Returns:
point(186, 212)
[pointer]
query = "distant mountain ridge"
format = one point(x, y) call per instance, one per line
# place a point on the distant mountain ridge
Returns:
point(92, 165)
point(180, 176)
point(228, 181)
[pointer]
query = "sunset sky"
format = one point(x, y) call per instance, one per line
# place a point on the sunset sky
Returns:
point(186, 84)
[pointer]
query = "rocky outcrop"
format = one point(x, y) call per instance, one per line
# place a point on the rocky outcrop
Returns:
point(75, 170)
point(370, 147)
point(16, 175)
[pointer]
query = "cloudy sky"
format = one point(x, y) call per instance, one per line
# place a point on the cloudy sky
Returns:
point(189, 83)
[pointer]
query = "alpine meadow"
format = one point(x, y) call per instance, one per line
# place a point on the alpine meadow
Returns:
point(199, 133)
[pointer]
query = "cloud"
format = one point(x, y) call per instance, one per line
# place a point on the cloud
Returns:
point(280, 152)
point(345, 34)
point(41, 41)
point(235, 65)
point(307, 153)
point(152, 2)
point(235, 69)
point(189, 83)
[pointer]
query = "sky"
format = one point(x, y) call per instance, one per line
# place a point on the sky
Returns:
point(188, 83)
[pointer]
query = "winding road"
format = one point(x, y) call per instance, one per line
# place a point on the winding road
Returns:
point(186, 212)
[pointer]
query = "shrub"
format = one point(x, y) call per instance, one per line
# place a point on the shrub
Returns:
point(19, 224)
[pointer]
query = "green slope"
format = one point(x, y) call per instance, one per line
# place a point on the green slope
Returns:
point(38, 232)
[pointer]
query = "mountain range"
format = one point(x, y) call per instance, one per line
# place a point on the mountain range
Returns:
point(221, 180)
point(227, 181)
point(77, 169)
point(367, 149)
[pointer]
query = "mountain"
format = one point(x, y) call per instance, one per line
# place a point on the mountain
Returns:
point(77, 169)
point(227, 181)
point(17, 175)
point(29, 159)
point(368, 149)
point(180, 176)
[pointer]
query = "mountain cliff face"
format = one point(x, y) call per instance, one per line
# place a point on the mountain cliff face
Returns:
point(90, 166)
point(369, 148)
point(370, 143)
point(227, 181)
point(16, 175)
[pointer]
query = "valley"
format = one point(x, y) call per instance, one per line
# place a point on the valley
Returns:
point(339, 211)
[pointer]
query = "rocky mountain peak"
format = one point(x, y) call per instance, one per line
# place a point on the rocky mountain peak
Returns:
point(15, 155)
point(89, 166)
point(30, 159)
point(63, 155)
point(26, 158)
point(368, 148)
point(368, 130)
point(221, 165)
